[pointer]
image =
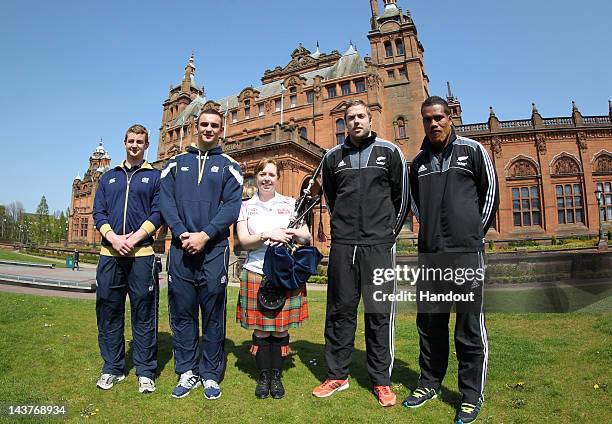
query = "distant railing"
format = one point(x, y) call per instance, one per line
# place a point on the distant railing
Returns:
point(30, 280)
point(552, 122)
point(473, 127)
point(595, 120)
point(523, 123)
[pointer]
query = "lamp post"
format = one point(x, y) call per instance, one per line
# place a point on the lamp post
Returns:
point(3, 225)
point(603, 242)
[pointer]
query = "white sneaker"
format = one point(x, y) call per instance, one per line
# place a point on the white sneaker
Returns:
point(107, 381)
point(212, 390)
point(146, 385)
point(187, 382)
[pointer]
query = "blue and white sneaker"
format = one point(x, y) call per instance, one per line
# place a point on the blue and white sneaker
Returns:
point(187, 382)
point(212, 390)
point(107, 381)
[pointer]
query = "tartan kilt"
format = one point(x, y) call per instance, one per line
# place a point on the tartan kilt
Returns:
point(252, 316)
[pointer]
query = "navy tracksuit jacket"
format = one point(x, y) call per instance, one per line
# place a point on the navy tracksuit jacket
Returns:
point(127, 199)
point(200, 191)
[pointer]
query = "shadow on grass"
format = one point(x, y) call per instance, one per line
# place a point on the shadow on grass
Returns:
point(164, 353)
point(245, 362)
point(312, 355)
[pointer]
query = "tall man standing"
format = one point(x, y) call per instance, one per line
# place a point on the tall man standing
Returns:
point(201, 195)
point(126, 212)
point(455, 197)
point(365, 183)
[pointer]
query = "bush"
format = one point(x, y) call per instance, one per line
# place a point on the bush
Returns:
point(522, 243)
point(318, 279)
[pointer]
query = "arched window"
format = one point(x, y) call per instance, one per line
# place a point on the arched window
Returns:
point(523, 182)
point(388, 49)
point(303, 132)
point(605, 212)
point(340, 128)
point(401, 128)
point(602, 169)
point(399, 47)
point(568, 189)
point(247, 109)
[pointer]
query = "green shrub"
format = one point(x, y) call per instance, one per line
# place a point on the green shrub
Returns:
point(522, 243)
point(318, 279)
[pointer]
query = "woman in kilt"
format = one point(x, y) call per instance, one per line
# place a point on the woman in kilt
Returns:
point(263, 221)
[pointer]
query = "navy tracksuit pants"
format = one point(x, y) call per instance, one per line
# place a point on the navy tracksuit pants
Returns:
point(197, 284)
point(137, 277)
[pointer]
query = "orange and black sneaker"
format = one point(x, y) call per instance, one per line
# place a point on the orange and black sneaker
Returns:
point(386, 395)
point(329, 387)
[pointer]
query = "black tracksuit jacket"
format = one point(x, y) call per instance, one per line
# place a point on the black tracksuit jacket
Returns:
point(367, 191)
point(455, 195)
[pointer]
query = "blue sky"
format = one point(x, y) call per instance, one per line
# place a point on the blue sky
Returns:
point(76, 71)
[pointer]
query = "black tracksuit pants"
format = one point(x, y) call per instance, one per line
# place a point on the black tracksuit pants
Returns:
point(470, 335)
point(350, 276)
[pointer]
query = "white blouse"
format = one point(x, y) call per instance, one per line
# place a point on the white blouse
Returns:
point(263, 216)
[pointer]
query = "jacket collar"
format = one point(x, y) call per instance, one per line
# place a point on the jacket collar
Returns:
point(217, 150)
point(427, 146)
point(145, 165)
point(348, 143)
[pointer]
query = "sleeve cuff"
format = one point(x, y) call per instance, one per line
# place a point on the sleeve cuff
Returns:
point(148, 227)
point(105, 229)
point(178, 229)
point(211, 230)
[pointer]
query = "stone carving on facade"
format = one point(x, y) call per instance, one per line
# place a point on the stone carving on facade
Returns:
point(522, 168)
point(496, 146)
point(581, 140)
point(541, 143)
point(268, 106)
point(566, 166)
point(603, 165)
point(294, 81)
point(374, 80)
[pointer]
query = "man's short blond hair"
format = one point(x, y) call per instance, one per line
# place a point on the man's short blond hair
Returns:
point(353, 103)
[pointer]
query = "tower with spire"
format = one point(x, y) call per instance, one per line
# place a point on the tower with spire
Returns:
point(80, 222)
point(398, 58)
point(179, 98)
point(454, 104)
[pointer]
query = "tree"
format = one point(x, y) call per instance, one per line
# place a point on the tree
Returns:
point(14, 216)
point(41, 227)
point(43, 207)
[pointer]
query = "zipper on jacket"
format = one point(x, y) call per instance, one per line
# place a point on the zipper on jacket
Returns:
point(201, 166)
point(360, 200)
point(127, 191)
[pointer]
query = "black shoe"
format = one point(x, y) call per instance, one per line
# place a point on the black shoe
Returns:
point(262, 390)
point(276, 385)
point(420, 396)
point(468, 412)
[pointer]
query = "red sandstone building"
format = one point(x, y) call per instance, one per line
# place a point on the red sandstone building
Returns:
point(548, 168)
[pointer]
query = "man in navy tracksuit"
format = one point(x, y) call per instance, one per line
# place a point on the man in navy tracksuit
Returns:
point(365, 183)
point(455, 197)
point(201, 194)
point(126, 212)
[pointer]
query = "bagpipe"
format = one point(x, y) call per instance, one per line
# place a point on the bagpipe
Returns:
point(289, 266)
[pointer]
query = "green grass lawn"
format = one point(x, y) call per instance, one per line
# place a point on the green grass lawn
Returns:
point(11, 255)
point(542, 368)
